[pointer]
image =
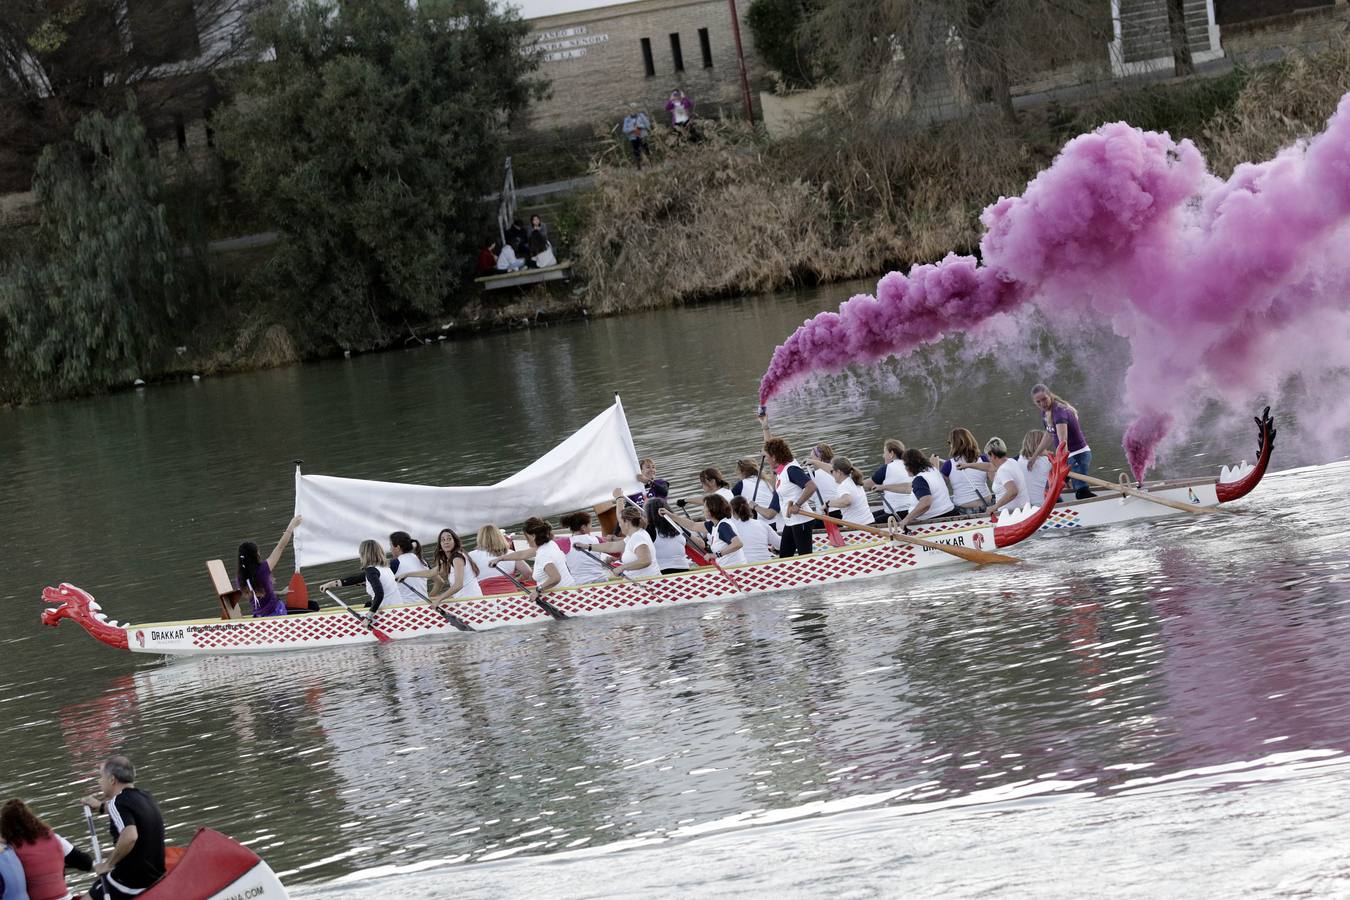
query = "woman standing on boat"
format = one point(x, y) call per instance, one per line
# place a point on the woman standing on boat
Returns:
point(795, 488)
point(375, 574)
point(1062, 427)
point(1037, 465)
point(255, 575)
point(849, 498)
point(759, 542)
point(969, 484)
point(409, 569)
point(637, 548)
point(550, 563)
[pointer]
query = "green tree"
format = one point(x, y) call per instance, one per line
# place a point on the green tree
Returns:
point(368, 139)
point(779, 38)
point(91, 303)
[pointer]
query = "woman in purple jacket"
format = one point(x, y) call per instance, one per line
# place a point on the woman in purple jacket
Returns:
point(255, 575)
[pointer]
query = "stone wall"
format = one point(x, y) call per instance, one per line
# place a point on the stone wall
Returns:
point(597, 66)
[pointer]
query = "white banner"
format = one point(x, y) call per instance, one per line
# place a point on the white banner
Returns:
point(340, 513)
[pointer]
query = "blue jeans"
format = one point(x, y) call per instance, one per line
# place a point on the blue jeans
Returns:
point(1080, 464)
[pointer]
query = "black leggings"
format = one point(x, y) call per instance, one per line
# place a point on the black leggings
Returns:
point(796, 540)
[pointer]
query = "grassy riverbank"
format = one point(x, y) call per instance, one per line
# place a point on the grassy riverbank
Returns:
point(737, 214)
point(853, 199)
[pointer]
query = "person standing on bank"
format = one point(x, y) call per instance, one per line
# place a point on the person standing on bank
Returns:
point(636, 127)
point(137, 858)
point(1062, 427)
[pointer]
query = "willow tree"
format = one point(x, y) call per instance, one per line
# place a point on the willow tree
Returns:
point(367, 138)
point(91, 302)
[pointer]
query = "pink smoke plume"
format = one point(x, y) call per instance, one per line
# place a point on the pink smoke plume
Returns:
point(1218, 286)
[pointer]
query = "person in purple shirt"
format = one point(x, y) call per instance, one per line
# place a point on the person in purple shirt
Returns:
point(255, 575)
point(1061, 427)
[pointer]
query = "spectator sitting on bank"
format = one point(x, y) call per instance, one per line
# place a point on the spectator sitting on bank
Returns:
point(681, 110)
point(636, 127)
point(507, 261)
point(541, 251)
point(487, 259)
point(516, 236)
point(537, 224)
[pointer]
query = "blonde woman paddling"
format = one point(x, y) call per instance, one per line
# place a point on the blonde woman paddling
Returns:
point(375, 574)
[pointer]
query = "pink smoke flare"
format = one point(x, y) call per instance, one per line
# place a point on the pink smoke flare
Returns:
point(1214, 284)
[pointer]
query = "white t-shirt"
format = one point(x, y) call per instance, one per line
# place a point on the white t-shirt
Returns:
point(789, 492)
point(826, 487)
point(896, 473)
point(760, 493)
point(585, 569)
point(723, 534)
point(1038, 478)
point(392, 593)
point(937, 487)
point(552, 553)
point(670, 552)
point(759, 542)
point(408, 562)
point(856, 510)
point(470, 587)
point(545, 258)
point(485, 561)
point(635, 540)
point(1011, 473)
point(969, 486)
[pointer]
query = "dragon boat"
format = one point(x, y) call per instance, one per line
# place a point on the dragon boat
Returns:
point(338, 627)
point(1115, 508)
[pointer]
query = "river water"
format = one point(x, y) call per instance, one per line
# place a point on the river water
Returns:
point(1152, 709)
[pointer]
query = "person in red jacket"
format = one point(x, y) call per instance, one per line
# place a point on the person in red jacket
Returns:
point(45, 855)
point(487, 259)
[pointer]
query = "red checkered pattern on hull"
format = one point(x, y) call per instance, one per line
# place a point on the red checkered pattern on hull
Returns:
point(299, 631)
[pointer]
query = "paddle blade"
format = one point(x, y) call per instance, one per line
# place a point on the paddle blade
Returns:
point(835, 536)
point(297, 594)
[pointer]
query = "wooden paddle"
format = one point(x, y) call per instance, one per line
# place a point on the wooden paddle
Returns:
point(537, 598)
point(969, 554)
point(379, 635)
point(1191, 508)
point(454, 620)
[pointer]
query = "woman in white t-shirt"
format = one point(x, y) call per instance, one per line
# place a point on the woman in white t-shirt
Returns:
point(588, 567)
point(550, 563)
point(1037, 466)
point(1010, 478)
point(451, 566)
point(405, 558)
point(493, 544)
point(666, 538)
point(638, 557)
point(712, 482)
point(758, 491)
point(969, 483)
point(759, 542)
point(849, 497)
point(821, 466)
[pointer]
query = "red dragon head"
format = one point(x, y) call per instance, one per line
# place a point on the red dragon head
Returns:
point(80, 607)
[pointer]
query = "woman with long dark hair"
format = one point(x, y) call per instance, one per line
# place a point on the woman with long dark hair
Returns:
point(667, 540)
point(43, 855)
point(405, 559)
point(255, 575)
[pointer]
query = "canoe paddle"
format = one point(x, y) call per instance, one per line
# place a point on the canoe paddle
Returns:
point(537, 598)
point(453, 619)
point(967, 553)
point(1145, 495)
point(93, 834)
point(379, 635)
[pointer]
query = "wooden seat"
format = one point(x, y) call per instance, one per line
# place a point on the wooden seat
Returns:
point(229, 595)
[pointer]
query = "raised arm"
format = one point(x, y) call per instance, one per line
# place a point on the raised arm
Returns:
point(275, 558)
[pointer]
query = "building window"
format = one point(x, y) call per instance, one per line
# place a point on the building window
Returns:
point(706, 46)
point(647, 60)
point(676, 55)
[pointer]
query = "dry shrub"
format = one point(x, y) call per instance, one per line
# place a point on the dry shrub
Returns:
point(1279, 105)
point(731, 216)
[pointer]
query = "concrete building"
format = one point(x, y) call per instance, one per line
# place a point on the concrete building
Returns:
point(601, 60)
point(1143, 35)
